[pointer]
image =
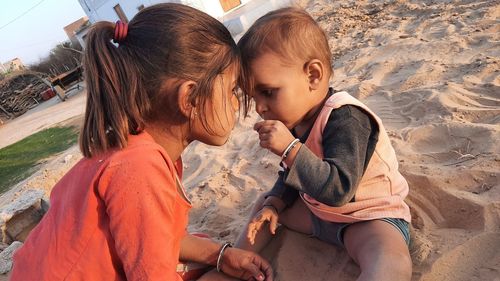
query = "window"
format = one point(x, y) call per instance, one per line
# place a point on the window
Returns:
point(229, 4)
point(119, 11)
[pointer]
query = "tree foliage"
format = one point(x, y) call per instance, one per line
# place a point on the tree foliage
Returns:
point(62, 58)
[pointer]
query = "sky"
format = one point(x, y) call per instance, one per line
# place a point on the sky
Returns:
point(29, 29)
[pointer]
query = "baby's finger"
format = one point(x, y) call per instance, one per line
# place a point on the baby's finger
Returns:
point(273, 225)
point(264, 136)
point(258, 125)
point(258, 224)
point(251, 230)
point(251, 237)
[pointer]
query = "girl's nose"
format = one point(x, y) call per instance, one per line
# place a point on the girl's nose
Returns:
point(260, 107)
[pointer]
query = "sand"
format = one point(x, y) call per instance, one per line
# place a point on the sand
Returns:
point(430, 70)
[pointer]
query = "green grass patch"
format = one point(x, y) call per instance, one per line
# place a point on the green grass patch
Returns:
point(19, 160)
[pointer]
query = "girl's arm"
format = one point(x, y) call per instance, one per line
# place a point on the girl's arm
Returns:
point(234, 262)
point(200, 250)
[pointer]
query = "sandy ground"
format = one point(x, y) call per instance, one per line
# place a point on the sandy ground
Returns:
point(430, 69)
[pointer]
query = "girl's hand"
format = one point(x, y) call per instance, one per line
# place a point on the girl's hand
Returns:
point(246, 265)
point(273, 135)
point(268, 213)
point(213, 275)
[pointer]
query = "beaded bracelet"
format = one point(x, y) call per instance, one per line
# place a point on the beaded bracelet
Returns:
point(289, 148)
point(221, 252)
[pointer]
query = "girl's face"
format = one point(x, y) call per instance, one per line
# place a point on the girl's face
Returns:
point(220, 111)
point(281, 91)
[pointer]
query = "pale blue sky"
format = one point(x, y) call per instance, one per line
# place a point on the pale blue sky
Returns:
point(31, 36)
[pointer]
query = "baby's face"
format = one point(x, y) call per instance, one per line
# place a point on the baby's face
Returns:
point(281, 89)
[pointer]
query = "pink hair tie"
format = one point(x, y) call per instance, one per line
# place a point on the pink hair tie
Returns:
point(121, 30)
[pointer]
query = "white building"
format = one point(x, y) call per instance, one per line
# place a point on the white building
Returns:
point(113, 10)
point(237, 15)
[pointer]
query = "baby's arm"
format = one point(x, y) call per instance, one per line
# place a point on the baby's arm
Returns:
point(349, 140)
point(286, 194)
point(268, 213)
point(279, 198)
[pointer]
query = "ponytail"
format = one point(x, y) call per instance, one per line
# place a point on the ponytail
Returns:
point(116, 99)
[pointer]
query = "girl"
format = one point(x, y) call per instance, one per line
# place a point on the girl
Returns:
point(167, 79)
point(341, 182)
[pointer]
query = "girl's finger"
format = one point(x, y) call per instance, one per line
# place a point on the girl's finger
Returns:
point(254, 271)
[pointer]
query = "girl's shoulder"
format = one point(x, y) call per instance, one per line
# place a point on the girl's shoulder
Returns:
point(140, 154)
point(142, 164)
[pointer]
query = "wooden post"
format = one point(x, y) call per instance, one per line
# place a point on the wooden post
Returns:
point(6, 112)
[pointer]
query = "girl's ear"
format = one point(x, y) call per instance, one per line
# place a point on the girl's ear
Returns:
point(314, 69)
point(186, 103)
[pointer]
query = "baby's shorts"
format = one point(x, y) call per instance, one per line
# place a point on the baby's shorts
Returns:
point(333, 232)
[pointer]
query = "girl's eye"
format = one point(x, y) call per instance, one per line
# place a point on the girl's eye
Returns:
point(267, 92)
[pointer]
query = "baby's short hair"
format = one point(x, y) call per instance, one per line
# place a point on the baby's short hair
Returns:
point(290, 33)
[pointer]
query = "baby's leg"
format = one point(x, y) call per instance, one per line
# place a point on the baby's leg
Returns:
point(379, 249)
point(297, 217)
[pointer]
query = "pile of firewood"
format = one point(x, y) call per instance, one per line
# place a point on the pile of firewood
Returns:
point(19, 93)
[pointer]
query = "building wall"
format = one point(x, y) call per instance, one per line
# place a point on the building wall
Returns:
point(72, 28)
point(3, 69)
point(98, 10)
point(12, 65)
point(240, 19)
point(81, 36)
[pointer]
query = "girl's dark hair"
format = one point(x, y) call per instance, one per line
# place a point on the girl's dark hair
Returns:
point(126, 82)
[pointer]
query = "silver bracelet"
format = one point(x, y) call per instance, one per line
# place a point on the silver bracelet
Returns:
point(221, 252)
point(289, 148)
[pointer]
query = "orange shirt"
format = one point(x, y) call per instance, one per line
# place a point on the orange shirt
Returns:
point(118, 216)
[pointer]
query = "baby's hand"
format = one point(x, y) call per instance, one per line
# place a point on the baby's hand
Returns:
point(273, 135)
point(268, 213)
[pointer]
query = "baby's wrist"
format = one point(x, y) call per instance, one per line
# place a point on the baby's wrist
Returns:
point(271, 206)
point(290, 158)
point(289, 148)
point(276, 202)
